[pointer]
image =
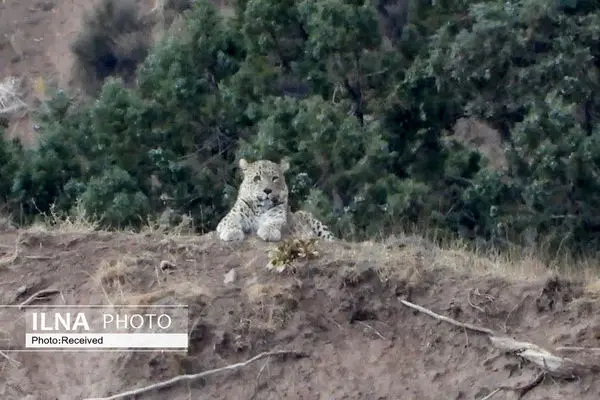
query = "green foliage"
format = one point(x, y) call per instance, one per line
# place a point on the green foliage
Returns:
point(334, 157)
point(11, 157)
point(133, 152)
point(362, 96)
point(114, 199)
point(114, 40)
point(530, 68)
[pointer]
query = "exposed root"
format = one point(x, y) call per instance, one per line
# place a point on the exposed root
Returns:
point(550, 364)
point(577, 349)
point(520, 390)
point(2, 354)
point(13, 257)
point(470, 327)
point(192, 377)
point(556, 366)
point(372, 329)
point(38, 295)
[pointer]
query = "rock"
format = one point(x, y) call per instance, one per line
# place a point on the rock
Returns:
point(230, 276)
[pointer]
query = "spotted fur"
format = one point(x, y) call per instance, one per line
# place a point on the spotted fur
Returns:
point(262, 207)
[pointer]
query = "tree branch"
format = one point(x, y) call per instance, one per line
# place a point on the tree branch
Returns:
point(192, 377)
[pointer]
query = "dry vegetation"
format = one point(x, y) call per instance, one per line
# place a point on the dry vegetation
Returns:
point(510, 326)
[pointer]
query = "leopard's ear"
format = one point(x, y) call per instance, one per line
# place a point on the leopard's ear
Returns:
point(284, 164)
point(243, 164)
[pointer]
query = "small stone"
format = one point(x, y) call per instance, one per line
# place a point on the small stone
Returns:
point(166, 265)
point(230, 276)
point(21, 290)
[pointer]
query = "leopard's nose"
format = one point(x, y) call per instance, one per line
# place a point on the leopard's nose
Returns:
point(267, 191)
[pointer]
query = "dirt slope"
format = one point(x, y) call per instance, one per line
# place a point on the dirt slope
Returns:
point(342, 310)
point(35, 36)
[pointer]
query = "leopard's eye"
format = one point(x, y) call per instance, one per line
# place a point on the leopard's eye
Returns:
point(275, 178)
point(257, 178)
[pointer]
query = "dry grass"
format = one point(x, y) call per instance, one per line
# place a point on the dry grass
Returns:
point(118, 278)
point(406, 257)
point(112, 273)
point(271, 304)
point(161, 225)
point(76, 222)
point(398, 257)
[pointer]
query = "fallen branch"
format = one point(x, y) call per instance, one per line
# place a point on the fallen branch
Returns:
point(192, 377)
point(13, 257)
point(520, 390)
point(3, 354)
point(40, 257)
point(577, 348)
point(373, 329)
point(454, 322)
point(556, 366)
point(38, 295)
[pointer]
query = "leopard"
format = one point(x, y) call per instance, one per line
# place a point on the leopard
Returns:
point(262, 207)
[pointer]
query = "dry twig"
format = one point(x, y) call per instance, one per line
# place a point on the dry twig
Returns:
point(13, 257)
point(487, 297)
point(38, 295)
point(373, 329)
point(521, 390)
point(191, 377)
point(40, 257)
point(515, 308)
point(577, 348)
point(258, 385)
point(3, 354)
point(471, 327)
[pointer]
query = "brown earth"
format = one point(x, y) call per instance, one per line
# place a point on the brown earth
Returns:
point(34, 43)
point(342, 310)
point(35, 36)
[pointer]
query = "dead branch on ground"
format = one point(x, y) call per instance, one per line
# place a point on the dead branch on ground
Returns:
point(520, 390)
point(551, 364)
point(192, 377)
point(556, 366)
point(372, 329)
point(454, 322)
point(578, 348)
point(4, 355)
point(13, 257)
point(38, 295)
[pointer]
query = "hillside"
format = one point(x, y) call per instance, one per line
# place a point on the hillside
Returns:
point(365, 121)
point(342, 311)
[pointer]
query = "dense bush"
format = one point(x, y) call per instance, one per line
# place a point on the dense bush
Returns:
point(363, 97)
point(11, 157)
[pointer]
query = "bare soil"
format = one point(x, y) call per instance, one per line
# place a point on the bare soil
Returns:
point(35, 38)
point(342, 310)
point(34, 43)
